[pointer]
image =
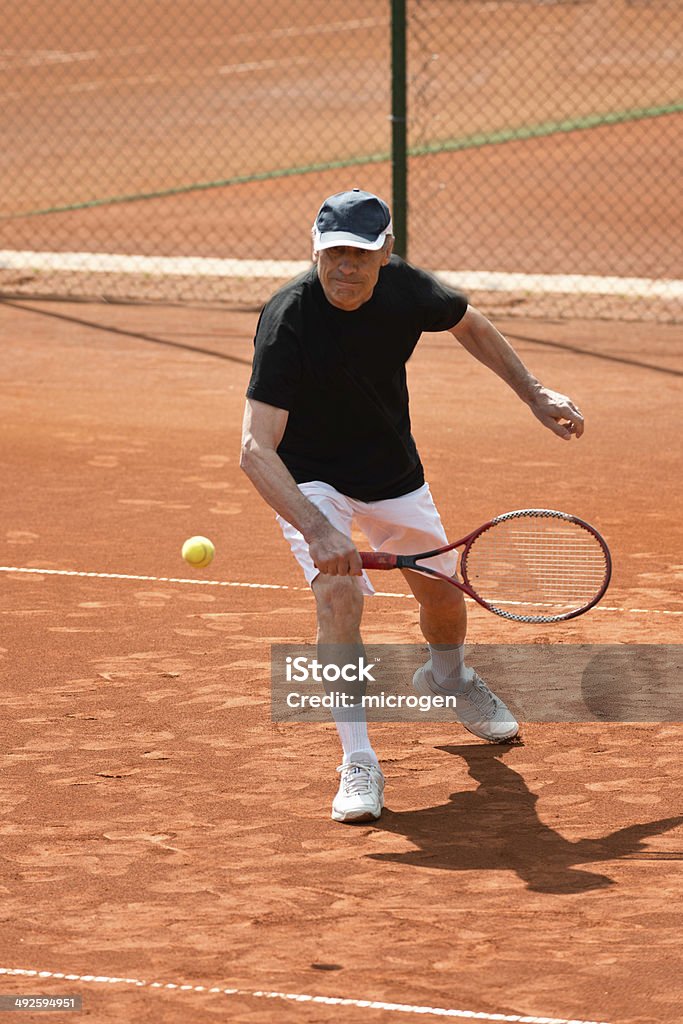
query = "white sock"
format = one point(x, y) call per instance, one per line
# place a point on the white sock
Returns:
point(352, 727)
point(351, 722)
point(448, 667)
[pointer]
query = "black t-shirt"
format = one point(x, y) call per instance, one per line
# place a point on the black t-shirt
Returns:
point(341, 376)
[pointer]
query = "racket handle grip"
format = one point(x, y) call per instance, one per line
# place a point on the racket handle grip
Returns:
point(378, 560)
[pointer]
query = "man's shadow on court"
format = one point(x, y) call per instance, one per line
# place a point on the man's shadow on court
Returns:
point(496, 827)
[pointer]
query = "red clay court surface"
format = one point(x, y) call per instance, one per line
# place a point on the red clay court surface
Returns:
point(156, 825)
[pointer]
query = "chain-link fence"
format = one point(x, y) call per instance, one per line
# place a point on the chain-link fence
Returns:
point(171, 150)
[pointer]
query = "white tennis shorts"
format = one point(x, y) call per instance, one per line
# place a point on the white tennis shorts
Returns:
point(403, 526)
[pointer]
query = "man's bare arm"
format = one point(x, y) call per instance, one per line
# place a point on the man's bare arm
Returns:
point(263, 429)
point(482, 340)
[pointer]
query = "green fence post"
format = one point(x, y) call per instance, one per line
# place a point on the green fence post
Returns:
point(399, 146)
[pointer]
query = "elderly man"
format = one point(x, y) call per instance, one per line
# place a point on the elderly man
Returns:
point(327, 442)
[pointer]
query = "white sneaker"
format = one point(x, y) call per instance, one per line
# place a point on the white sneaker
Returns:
point(361, 790)
point(477, 707)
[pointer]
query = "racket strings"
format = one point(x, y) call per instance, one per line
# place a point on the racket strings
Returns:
point(549, 566)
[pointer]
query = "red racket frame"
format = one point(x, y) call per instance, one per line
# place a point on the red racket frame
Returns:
point(384, 560)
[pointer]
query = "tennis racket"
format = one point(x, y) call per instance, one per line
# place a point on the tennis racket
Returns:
point(532, 565)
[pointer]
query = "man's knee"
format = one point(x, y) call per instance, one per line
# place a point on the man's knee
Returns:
point(439, 596)
point(338, 598)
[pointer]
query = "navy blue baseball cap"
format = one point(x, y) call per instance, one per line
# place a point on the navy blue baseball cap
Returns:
point(359, 219)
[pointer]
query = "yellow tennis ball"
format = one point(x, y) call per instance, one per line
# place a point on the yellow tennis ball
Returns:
point(198, 552)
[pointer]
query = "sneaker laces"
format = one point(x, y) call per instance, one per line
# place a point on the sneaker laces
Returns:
point(482, 698)
point(357, 777)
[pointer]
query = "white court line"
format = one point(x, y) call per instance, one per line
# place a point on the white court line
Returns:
point(366, 1004)
point(265, 65)
point(31, 58)
point(150, 579)
point(106, 263)
point(266, 586)
point(199, 266)
point(35, 58)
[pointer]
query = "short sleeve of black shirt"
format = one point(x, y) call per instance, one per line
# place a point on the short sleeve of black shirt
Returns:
point(440, 306)
point(277, 366)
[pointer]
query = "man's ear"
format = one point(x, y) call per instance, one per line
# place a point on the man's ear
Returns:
point(388, 249)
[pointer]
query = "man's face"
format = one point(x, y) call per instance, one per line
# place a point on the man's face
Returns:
point(348, 275)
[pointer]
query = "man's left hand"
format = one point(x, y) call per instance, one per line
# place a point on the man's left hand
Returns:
point(556, 412)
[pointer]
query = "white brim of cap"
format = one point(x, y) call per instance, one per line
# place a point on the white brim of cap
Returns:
point(329, 239)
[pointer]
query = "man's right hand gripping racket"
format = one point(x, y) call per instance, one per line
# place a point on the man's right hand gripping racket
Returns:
point(532, 565)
